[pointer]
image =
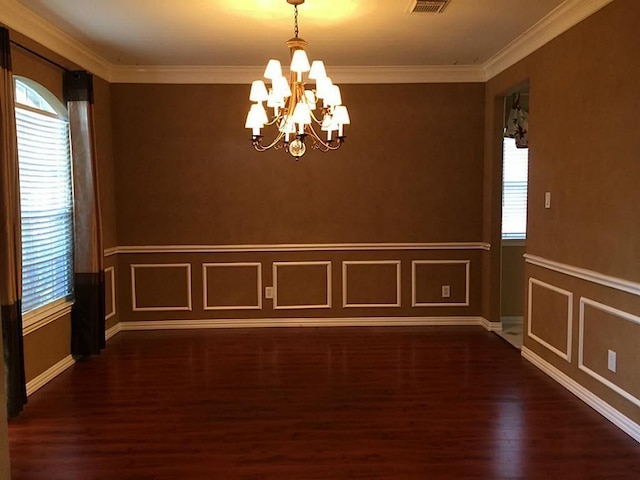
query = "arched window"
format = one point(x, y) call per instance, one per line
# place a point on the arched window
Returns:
point(46, 197)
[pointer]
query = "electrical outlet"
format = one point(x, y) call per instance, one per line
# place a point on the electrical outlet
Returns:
point(446, 291)
point(611, 361)
point(269, 292)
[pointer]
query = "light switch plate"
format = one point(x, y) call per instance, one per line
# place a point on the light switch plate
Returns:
point(547, 199)
point(611, 360)
point(269, 292)
point(446, 291)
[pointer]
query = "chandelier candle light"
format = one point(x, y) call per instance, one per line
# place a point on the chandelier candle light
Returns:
point(294, 107)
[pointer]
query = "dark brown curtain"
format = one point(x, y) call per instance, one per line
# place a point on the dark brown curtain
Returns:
point(88, 314)
point(10, 238)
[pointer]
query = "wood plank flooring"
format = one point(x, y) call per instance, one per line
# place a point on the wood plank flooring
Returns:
point(348, 403)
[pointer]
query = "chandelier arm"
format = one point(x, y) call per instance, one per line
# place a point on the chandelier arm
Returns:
point(313, 115)
point(325, 145)
point(261, 148)
point(272, 122)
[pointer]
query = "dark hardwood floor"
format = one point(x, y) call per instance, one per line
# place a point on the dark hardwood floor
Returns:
point(361, 403)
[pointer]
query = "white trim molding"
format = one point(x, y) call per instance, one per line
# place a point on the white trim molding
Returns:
point(51, 312)
point(566, 15)
point(592, 276)
point(108, 252)
point(490, 326)
point(205, 298)
point(345, 265)
point(620, 420)
point(614, 312)
point(414, 300)
point(18, 17)
point(302, 247)
point(276, 265)
point(112, 274)
point(384, 74)
point(49, 374)
point(113, 331)
point(301, 322)
point(134, 303)
point(534, 281)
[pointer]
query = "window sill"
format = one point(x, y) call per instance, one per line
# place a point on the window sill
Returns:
point(37, 319)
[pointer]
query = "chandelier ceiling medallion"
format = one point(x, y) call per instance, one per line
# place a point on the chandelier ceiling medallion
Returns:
point(294, 106)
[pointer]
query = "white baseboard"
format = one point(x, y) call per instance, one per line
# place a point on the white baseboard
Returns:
point(49, 374)
point(301, 322)
point(490, 326)
point(52, 372)
point(620, 420)
point(111, 332)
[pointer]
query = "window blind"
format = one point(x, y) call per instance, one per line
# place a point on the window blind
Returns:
point(514, 190)
point(46, 196)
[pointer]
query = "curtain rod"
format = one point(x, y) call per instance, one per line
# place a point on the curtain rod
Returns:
point(40, 56)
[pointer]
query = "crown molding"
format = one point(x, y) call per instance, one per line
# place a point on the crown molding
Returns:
point(341, 75)
point(16, 16)
point(566, 15)
point(19, 18)
point(189, 74)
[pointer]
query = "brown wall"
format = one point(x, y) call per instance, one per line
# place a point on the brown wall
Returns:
point(106, 174)
point(512, 281)
point(186, 174)
point(106, 177)
point(583, 96)
point(47, 346)
point(27, 65)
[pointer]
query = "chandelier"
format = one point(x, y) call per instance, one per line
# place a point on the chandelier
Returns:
point(296, 112)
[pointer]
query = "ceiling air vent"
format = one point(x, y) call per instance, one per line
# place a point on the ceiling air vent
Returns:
point(427, 6)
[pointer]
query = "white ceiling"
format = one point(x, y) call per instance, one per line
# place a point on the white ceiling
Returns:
point(249, 32)
point(230, 41)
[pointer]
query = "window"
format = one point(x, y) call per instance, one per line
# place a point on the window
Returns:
point(46, 196)
point(515, 162)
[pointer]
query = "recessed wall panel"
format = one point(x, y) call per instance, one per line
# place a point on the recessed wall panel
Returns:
point(604, 329)
point(232, 286)
point(110, 292)
point(302, 285)
point(374, 283)
point(429, 277)
point(161, 287)
point(550, 310)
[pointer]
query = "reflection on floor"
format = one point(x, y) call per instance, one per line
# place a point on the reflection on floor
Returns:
point(512, 330)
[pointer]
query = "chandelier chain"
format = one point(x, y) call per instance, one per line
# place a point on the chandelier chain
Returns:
point(295, 17)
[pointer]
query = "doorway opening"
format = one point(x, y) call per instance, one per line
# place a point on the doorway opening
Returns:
point(515, 167)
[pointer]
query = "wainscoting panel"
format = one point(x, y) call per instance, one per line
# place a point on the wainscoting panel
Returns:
point(301, 285)
point(110, 292)
point(604, 329)
point(232, 286)
point(550, 310)
point(371, 283)
point(330, 282)
point(570, 308)
point(430, 277)
point(157, 287)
